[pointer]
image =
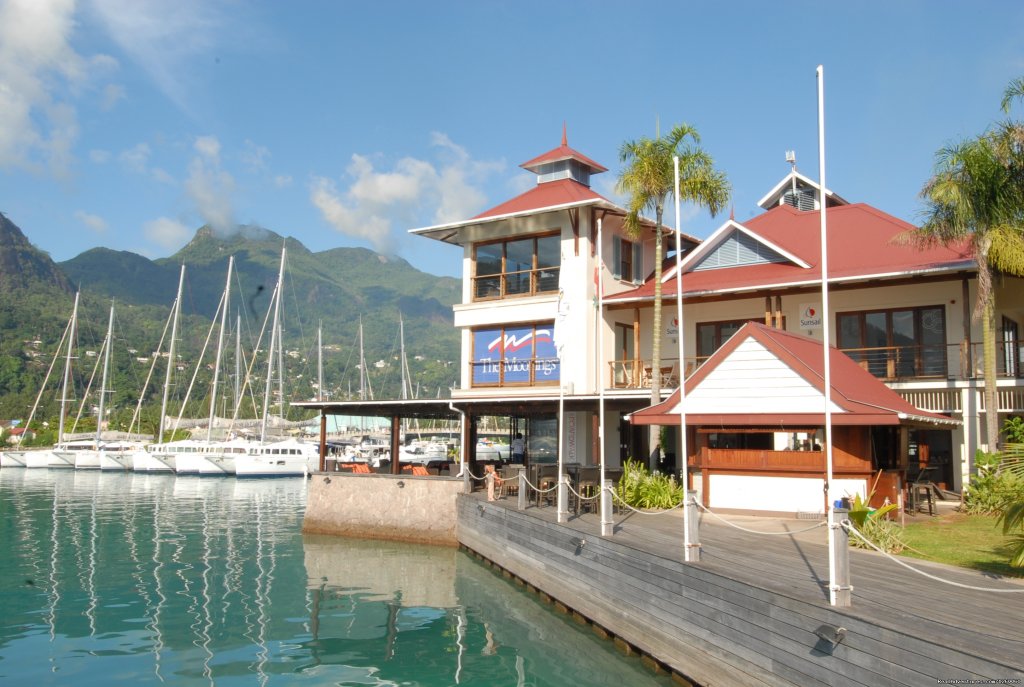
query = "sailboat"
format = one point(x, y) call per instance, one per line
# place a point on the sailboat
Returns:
point(285, 458)
point(88, 455)
point(160, 457)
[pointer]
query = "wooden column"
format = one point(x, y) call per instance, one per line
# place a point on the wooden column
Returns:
point(396, 444)
point(323, 440)
point(768, 311)
point(779, 324)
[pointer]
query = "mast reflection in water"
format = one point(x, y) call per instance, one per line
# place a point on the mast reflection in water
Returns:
point(154, 579)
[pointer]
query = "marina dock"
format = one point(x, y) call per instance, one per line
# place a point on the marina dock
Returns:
point(754, 610)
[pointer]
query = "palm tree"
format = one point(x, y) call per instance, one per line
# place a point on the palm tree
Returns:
point(976, 196)
point(648, 178)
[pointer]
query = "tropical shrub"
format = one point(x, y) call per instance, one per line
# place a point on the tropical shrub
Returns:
point(875, 526)
point(642, 489)
point(1013, 429)
point(994, 486)
point(1012, 518)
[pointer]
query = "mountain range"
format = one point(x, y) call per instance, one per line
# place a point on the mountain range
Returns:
point(334, 289)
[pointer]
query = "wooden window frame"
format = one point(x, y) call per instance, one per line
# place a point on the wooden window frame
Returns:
point(535, 287)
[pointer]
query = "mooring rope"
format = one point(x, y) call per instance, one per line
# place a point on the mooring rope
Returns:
point(848, 526)
point(581, 497)
point(745, 529)
point(538, 489)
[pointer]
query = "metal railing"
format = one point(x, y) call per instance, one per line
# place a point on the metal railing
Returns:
point(522, 283)
point(638, 373)
point(945, 361)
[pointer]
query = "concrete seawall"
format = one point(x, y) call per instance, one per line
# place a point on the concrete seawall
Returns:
point(395, 507)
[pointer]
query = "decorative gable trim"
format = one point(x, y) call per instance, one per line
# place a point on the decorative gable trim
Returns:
point(693, 261)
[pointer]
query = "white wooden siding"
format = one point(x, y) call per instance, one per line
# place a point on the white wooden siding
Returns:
point(753, 380)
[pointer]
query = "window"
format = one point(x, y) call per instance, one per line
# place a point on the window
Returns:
point(521, 355)
point(517, 267)
point(711, 335)
point(627, 260)
point(905, 342)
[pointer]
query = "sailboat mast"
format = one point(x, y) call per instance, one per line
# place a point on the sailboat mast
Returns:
point(106, 375)
point(320, 361)
point(67, 370)
point(401, 353)
point(220, 348)
point(238, 362)
point(362, 363)
point(275, 330)
point(170, 355)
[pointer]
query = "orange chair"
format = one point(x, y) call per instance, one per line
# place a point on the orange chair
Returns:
point(361, 468)
point(420, 470)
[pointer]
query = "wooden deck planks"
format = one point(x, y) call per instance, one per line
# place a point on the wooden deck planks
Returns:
point(751, 607)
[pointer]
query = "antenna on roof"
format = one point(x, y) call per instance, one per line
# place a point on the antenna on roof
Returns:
point(791, 159)
point(565, 139)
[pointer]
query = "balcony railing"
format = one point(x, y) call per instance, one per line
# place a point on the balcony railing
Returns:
point(895, 363)
point(523, 283)
point(638, 374)
point(889, 363)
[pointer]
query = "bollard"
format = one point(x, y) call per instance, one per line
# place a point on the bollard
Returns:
point(522, 490)
point(841, 587)
point(691, 554)
point(563, 497)
point(467, 486)
point(607, 524)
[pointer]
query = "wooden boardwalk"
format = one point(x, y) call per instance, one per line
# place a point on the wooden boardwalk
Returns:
point(746, 614)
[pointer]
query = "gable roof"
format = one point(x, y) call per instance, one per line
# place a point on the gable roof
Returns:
point(772, 197)
point(755, 359)
point(547, 195)
point(861, 246)
point(563, 152)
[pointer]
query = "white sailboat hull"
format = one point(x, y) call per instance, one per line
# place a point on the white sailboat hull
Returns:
point(48, 459)
point(84, 460)
point(202, 464)
point(115, 460)
point(271, 466)
point(144, 461)
point(12, 459)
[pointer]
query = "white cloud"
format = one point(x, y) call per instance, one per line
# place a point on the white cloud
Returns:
point(39, 74)
point(112, 93)
point(255, 157)
point(210, 188)
point(94, 222)
point(136, 158)
point(168, 233)
point(379, 205)
point(165, 39)
point(162, 176)
point(100, 157)
point(282, 181)
point(208, 147)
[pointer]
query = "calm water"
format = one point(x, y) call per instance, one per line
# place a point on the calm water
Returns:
point(147, 579)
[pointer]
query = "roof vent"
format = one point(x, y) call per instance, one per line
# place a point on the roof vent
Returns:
point(802, 198)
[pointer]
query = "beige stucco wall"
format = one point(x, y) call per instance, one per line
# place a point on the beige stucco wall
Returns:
point(397, 507)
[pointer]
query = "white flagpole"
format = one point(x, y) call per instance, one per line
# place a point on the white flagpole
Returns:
point(606, 516)
point(825, 315)
point(562, 512)
point(685, 475)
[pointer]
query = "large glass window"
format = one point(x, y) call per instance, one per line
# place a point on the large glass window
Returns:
point(904, 342)
point(711, 335)
point(521, 355)
point(517, 267)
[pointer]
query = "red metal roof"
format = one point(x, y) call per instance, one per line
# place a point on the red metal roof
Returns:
point(548, 194)
point(563, 152)
point(864, 399)
point(861, 244)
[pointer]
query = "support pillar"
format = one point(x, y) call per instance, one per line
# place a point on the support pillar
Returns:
point(563, 497)
point(323, 440)
point(396, 445)
point(841, 592)
point(607, 524)
point(522, 490)
point(691, 548)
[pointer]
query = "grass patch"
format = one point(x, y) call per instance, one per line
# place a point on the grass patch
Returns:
point(968, 541)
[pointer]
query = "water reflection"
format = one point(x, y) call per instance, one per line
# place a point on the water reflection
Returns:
point(150, 579)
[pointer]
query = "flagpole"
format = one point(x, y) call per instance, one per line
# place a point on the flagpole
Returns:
point(833, 589)
point(606, 519)
point(683, 449)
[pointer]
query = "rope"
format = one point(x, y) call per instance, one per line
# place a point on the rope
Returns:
point(538, 489)
point(732, 524)
point(580, 496)
point(645, 512)
point(848, 526)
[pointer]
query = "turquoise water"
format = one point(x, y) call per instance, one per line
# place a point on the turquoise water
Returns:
point(152, 579)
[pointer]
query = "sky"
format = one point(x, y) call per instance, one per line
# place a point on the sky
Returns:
point(131, 123)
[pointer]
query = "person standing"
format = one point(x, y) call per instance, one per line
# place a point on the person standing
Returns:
point(518, 449)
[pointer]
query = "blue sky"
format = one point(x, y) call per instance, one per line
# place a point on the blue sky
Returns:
point(129, 124)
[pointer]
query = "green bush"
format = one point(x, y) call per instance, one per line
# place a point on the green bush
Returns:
point(642, 489)
point(993, 487)
point(876, 528)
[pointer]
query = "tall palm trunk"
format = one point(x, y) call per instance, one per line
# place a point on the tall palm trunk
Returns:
point(986, 298)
